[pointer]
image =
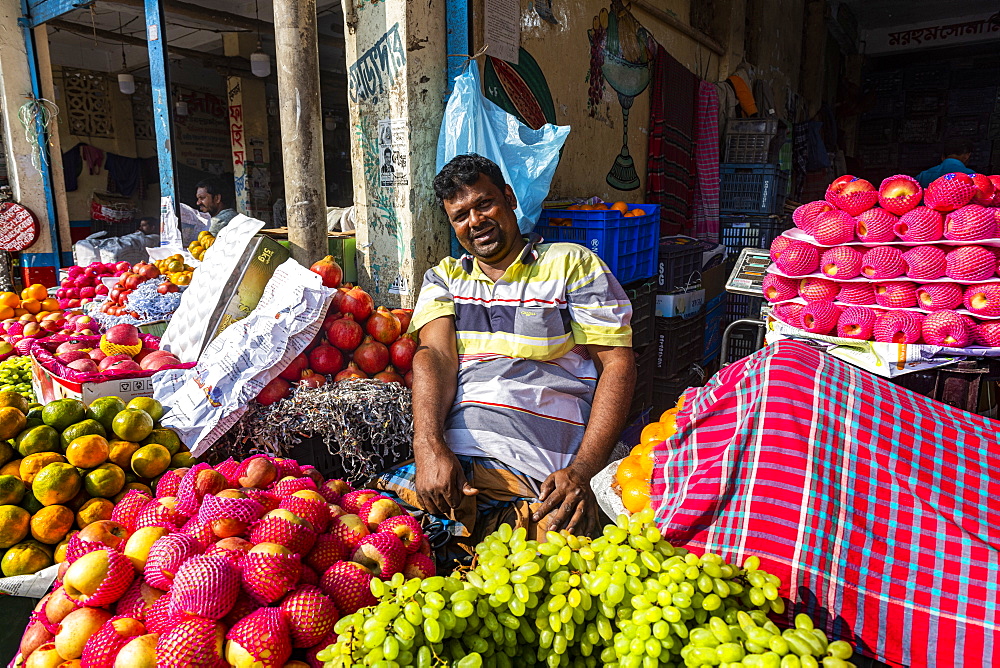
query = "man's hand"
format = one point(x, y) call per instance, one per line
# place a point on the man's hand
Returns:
point(440, 481)
point(566, 494)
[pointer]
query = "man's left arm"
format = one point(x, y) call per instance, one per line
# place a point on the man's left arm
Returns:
point(567, 493)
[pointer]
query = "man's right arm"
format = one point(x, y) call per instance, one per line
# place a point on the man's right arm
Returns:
point(440, 482)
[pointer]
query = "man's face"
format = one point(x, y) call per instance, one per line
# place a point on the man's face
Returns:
point(146, 227)
point(484, 220)
point(210, 204)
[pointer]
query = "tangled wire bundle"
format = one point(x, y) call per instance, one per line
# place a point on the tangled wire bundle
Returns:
point(367, 424)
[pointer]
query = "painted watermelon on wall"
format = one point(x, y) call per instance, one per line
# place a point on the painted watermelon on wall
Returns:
point(520, 90)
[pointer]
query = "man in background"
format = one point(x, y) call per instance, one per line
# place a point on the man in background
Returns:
point(956, 154)
point(210, 199)
point(150, 227)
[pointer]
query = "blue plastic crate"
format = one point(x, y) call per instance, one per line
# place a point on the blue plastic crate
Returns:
point(627, 245)
point(752, 189)
point(715, 312)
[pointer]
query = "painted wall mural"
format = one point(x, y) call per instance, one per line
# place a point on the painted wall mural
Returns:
point(621, 55)
point(521, 90)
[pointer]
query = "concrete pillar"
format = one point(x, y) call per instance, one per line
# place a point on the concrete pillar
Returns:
point(26, 180)
point(396, 64)
point(297, 55)
point(248, 132)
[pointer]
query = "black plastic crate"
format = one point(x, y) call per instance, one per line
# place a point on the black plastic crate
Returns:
point(739, 232)
point(752, 189)
point(645, 366)
point(679, 263)
point(642, 294)
point(919, 130)
point(877, 131)
point(679, 342)
point(742, 342)
point(739, 307)
point(748, 140)
point(666, 391)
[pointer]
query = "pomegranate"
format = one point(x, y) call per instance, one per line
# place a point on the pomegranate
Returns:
point(311, 379)
point(403, 315)
point(146, 271)
point(358, 303)
point(332, 316)
point(383, 326)
point(345, 333)
point(389, 376)
point(371, 356)
point(352, 371)
point(329, 271)
point(408, 379)
point(338, 299)
point(294, 370)
point(401, 352)
point(326, 359)
point(275, 391)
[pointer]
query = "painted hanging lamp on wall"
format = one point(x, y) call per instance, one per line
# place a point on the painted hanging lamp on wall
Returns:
point(260, 62)
point(126, 82)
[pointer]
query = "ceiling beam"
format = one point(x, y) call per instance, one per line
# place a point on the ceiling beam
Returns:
point(216, 17)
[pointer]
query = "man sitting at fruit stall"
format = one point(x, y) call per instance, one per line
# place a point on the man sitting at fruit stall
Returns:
point(523, 375)
point(209, 197)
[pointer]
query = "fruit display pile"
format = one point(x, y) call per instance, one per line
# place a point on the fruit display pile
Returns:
point(15, 376)
point(33, 314)
point(119, 350)
point(65, 465)
point(896, 265)
point(356, 340)
point(84, 284)
point(244, 564)
point(626, 599)
point(634, 473)
point(146, 292)
point(198, 247)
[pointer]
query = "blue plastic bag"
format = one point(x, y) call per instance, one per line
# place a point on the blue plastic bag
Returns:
point(527, 158)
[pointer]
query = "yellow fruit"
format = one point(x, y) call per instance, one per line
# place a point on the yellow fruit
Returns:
point(148, 404)
point(150, 460)
point(120, 452)
point(94, 510)
point(182, 460)
point(87, 451)
point(7, 452)
point(104, 481)
point(635, 495)
point(132, 424)
point(12, 422)
point(56, 483)
point(60, 554)
point(14, 525)
point(25, 558)
point(14, 400)
point(32, 464)
point(11, 490)
point(51, 524)
point(13, 467)
point(130, 486)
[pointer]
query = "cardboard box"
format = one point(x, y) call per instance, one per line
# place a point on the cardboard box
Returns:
point(245, 287)
point(49, 387)
point(341, 245)
point(681, 304)
point(713, 281)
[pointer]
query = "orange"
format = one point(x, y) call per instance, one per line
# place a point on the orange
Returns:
point(680, 402)
point(668, 414)
point(121, 453)
point(12, 422)
point(9, 299)
point(656, 431)
point(150, 460)
point(13, 467)
point(18, 312)
point(635, 495)
point(57, 483)
point(50, 304)
point(35, 291)
point(51, 524)
point(105, 481)
point(94, 511)
point(87, 451)
point(14, 525)
point(60, 555)
point(620, 206)
point(31, 306)
point(630, 468)
point(33, 464)
point(24, 559)
point(6, 312)
point(129, 487)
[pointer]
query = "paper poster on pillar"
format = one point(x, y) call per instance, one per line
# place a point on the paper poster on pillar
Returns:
point(393, 152)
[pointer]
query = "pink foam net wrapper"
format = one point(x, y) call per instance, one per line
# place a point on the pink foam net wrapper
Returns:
point(245, 604)
point(76, 547)
point(191, 643)
point(102, 647)
point(131, 604)
point(311, 615)
point(316, 512)
point(166, 556)
point(264, 634)
point(309, 576)
point(188, 499)
point(288, 467)
point(200, 530)
point(41, 617)
point(268, 500)
point(168, 484)
point(246, 463)
point(858, 202)
point(158, 616)
point(235, 557)
point(295, 537)
point(119, 577)
point(205, 586)
point(284, 488)
point(311, 656)
point(230, 469)
point(155, 514)
point(217, 508)
point(127, 510)
point(267, 577)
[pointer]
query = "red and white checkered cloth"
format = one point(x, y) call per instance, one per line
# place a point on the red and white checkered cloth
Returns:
point(877, 507)
point(706, 160)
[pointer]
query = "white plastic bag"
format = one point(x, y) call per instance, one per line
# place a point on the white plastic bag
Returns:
point(205, 401)
point(528, 158)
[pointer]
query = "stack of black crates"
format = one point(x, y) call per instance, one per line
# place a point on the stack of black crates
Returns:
point(752, 193)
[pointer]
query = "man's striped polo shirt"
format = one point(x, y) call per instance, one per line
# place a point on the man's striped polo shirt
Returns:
point(525, 380)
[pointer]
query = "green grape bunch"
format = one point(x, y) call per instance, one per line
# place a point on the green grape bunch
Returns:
point(15, 376)
point(627, 599)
